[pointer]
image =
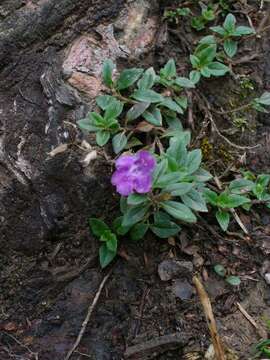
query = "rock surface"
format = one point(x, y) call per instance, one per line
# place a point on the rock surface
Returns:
point(50, 75)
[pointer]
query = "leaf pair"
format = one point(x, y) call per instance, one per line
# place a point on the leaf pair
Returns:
point(108, 249)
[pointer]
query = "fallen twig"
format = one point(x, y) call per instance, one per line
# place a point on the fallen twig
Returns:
point(207, 109)
point(207, 308)
point(157, 345)
point(260, 331)
point(34, 354)
point(88, 315)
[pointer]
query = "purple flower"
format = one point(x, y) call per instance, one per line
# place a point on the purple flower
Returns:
point(134, 173)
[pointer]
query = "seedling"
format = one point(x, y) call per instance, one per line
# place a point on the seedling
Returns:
point(230, 279)
point(229, 31)
point(207, 15)
point(174, 15)
point(204, 63)
point(108, 249)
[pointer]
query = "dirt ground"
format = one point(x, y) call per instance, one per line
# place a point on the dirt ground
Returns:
point(48, 259)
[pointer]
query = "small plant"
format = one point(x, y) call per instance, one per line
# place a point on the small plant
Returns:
point(174, 15)
point(108, 249)
point(230, 279)
point(163, 184)
point(204, 63)
point(262, 349)
point(228, 32)
point(207, 15)
point(260, 103)
point(238, 194)
point(171, 195)
point(118, 114)
point(224, 202)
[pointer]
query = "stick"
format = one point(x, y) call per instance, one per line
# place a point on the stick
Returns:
point(247, 316)
point(88, 315)
point(207, 308)
point(22, 345)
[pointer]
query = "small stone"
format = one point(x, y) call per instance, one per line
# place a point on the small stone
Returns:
point(267, 278)
point(182, 289)
point(87, 84)
point(171, 269)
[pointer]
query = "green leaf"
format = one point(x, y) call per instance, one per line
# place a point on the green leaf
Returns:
point(211, 197)
point(118, 228)
point(209, 40)
point(229, 201)
point(178, 189)
point(111, 240)
point(104, 101)
point(223, 219)
point(137, 199)
point(147, 96)
point(163, 226)
point(134, 214)
point(195, 61)
point(194, 200)
point(202, 175)
point(233, 280)
point(167, 179)
point(102, 137)
point(182, 101)
point(263, 180)
point(148, 79)
point(172, 105)
point(160, 170)
point(197, 23)
point(241, 186)
point(138, 231)
point(105, 256)
point(128, 77)
point(219, 30)
point(218, 69)
point(264, 99)
point(255, 105)
point(123, 204)
point(205, 72)
point(85, 124)
point(230, 47)
point(137, 110)
point(193, 162)
point(96, 119)
point(177, 149)
point(207, 54)
point(184, 82)
point(229, 23)
point(169, 69)
point(208, 14)
point(113, 110)
point(243, 30)
point(153, 116)
point(107, 72)
point(119, 142)
point(179, 211)
point(195, 76)
point(98, 227)
point(220, 270)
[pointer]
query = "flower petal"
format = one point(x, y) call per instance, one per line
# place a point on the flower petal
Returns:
point(123, 182)
point(146, 161)
point(125, 161)
point(143, 184)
